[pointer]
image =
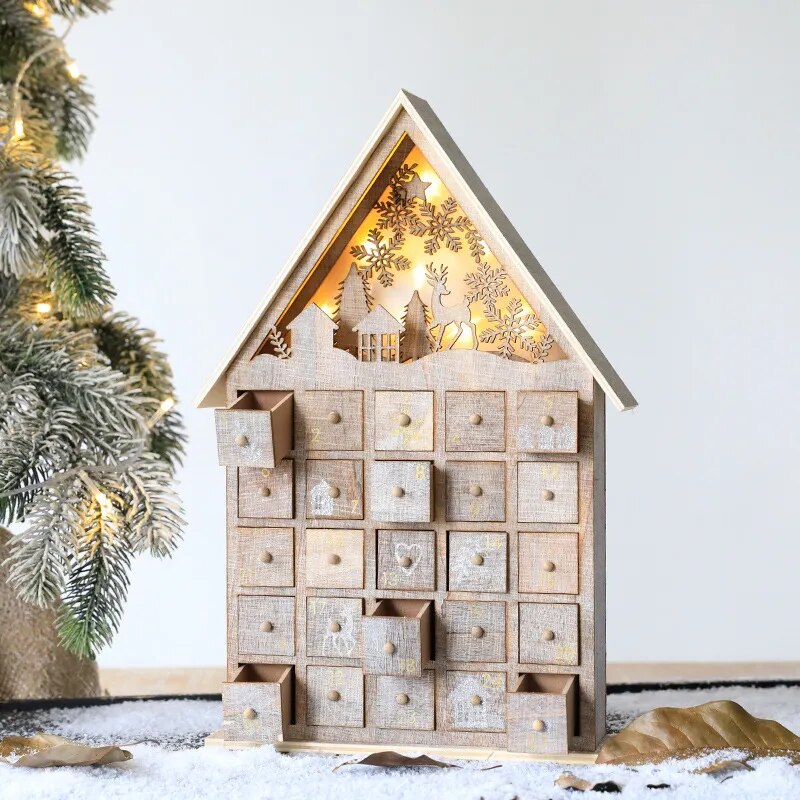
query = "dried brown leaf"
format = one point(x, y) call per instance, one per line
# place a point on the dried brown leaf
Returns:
point(724, 769)
point(47, 750)
point(570, 781)
point(388, 758)
point(685, 732)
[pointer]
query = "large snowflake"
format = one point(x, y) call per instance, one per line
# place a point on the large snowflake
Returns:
point(383, 257)
point(397, 211)
point(440, 227)
point(512, 329)
point(487, 284)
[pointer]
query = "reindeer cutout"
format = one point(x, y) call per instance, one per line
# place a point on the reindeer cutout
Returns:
point(444, 316)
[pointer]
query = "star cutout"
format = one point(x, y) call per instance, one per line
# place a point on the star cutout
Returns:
point(415, 189)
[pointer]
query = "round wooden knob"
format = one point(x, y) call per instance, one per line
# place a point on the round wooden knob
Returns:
point(476, 700)
point(265, 491)
point(334, 627)
point(398, 491)
point(266, 627)
point(265, 556)
point(404, 420)
point(475, 419)
point(546, 420)
point(334, 559)
point(405, 561)
point(241, 440)
point(477, 559)
point(333, 491)
point(548, 636)
point(334, 418)
point(537, 725)
point(547, 494)
point(475, 490)
point(477, 632)
point(548, 566)
point(334, 696)
point(402, 699)
point(388, 648)
point(249, 713)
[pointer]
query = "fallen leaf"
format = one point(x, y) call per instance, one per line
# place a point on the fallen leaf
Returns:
point(725, 769)
point(574, 783)
point(47, 750)
point(388, 758)
point(684, 732)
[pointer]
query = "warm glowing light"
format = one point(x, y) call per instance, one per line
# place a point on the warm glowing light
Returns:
point(436, 189)
point(73, 70)
point(419, 276)
point(103, 502)
point(43, 308)
point(19, 128)
point(328, 309)
point(167, 404)
point(36, 9)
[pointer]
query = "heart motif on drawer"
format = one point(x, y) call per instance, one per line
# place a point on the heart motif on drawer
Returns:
point(413, 551)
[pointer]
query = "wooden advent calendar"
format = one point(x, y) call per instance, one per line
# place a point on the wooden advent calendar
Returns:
point(413, 430)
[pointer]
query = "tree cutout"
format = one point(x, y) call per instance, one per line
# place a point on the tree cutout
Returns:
point(353, 303)
point(443, 316)
point(416, 340)
point(510, 332)
point(381, 257)
point(279, 345)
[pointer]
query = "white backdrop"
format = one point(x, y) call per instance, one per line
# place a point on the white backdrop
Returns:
point(648, 153)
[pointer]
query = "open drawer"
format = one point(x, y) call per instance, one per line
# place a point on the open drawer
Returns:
point(257, 703)
point(542, 708)
point(257, 430)
point(398, 637)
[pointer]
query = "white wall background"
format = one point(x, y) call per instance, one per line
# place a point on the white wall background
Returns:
point(647, 151)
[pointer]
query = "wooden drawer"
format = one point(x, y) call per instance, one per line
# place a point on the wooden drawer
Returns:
point(266, 625)
point(398, 637)
point(257, 703)
point(547, 422)
point(401, 491)
point(541, 713)
point(477, 562)
point(547, 491)
point(334, 558)
point(404, 703)
point(548, 633)
point(407, 560)
point(334, 489)
point(475, 491)
point(266, 492)
point(333, 627)
point(404, 420)
point(256, 431)
point(475, 631)
point(264, 557)
point(548, 563)
point(476, 701)
point(332, 420)
point(475, 422)
point(335, 696)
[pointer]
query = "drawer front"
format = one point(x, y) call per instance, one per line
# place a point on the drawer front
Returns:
point(334, 558)
point(253, 712)
point(547, 491)
point(266, 625)
point(475, 422)
point(407, 560)
point(548, 563)
point(404, 703)
point(244, 438)
point(475, 491)
point(335, 696)
point(332, 420)
point(401, 491)
point(547, 422)
point(333, 627)
point(475, 631)
point(404, 420)
point(266, 492)
point(537, 723)
point(477, 562)
point(548, 633)
point(264, 557)
point(404, 658)
point(334, 489)
point(476, 701)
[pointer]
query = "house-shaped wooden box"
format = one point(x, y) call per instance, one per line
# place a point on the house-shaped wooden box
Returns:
point(413, 430)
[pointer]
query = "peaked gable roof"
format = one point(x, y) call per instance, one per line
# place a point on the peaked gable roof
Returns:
point(379, 320)
point(464, 182)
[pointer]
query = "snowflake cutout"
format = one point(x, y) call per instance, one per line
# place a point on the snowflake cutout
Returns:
point(381, 257)
point(487, 284)
point(510, 332)
point(440, 227)
point(395, 213)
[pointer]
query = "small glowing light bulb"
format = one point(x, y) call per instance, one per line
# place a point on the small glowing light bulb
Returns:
point(19, 128)
point(73, 70)
point(44, 308)
point(166, 404)
point(36, 9)
point(103, 502)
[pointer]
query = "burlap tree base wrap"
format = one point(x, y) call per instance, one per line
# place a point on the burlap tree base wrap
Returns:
point(32, 663)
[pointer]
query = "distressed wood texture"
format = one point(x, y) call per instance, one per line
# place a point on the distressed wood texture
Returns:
point(335, 696)
point(406, 560)
point(267, 493)
point(264, 557)
point(403, 420)
point(547, 422)
point(548, 633)
point(398, 637)
point(548, 491)
point(331, 420)
point(475, 631)
point(548, 563)
point(266, 625)
point(404, 702)
point(333, 627)
point(475, 422)
point(476, 491)
point(401, 491)
point(541, 713)
point(334, 488)
point(334, 558)
point(477, 562)
point(476, 701)
point(257, 703)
